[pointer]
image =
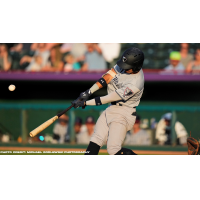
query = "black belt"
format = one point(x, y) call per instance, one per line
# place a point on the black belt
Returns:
point(114, 103)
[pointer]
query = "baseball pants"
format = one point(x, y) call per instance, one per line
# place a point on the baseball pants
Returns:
point(112, 127)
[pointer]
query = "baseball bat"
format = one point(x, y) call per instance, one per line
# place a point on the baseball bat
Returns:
point(48, 122)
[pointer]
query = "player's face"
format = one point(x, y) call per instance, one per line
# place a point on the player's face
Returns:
point(130, 71)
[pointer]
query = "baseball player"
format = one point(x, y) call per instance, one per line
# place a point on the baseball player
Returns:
point(125, 85)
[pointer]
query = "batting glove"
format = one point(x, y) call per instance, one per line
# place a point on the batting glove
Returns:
point(84, 96)
point(77, 103)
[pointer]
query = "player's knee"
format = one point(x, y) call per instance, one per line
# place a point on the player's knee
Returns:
point(112, 150)
point(97, 140)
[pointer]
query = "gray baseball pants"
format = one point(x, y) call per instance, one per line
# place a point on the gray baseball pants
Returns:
point(112, 127)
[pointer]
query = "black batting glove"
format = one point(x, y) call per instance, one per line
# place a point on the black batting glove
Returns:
point(84, 96)
point(77, 103)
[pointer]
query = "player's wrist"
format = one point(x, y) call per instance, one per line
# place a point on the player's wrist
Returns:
point(89, 92)
point(98, 101)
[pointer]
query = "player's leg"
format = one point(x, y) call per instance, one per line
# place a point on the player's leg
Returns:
point(99, 136)
point(92, 149)
point(116, 135)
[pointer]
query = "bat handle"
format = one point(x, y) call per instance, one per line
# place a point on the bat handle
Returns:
point(64, 111)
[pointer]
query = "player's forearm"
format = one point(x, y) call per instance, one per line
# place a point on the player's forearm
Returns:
point(113, 96)
point(102, 82)
point(98, 85)
point(94, 88)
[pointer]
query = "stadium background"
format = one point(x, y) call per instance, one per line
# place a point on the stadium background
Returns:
point(40, 97)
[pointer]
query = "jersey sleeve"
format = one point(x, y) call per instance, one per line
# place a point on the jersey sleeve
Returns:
point(127, 91)
point(106, 78)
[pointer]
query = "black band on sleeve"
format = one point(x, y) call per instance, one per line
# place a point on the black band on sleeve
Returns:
point(98, 101)
point(102, 82)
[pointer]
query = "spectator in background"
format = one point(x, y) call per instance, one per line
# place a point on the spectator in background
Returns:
point(50, 46)
point(35, 65)
point(66, 47)
point(137, 136)
point(94, 60)
point(21, 48)
point(41, 50)
point(17, 52)
point(54, 63)
point(78, 125)
point(71, 64)
point(77, 50)
point(110, 51)
point(60, 130)
point(86, 131)
point(164, 131)
point(5, 58)
point(175, 63)
point(186, 57)
point(194, 66)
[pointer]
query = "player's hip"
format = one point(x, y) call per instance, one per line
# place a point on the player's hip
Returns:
point(121, 114)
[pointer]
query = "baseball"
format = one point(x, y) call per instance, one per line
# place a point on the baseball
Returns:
point(11, 87)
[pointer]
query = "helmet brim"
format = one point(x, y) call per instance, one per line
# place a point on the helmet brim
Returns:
point(123, 65)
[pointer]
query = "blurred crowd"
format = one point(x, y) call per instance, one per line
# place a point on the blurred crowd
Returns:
point(84, 57)
point(183, 60)
point(158, 133)
point(56, 57)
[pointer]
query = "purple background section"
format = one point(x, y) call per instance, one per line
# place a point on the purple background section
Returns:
point(90, 76)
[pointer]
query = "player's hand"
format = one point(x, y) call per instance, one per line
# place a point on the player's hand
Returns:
point(77, 103)
point(84, 96)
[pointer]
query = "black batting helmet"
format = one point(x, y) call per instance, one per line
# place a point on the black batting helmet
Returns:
point(132, 58)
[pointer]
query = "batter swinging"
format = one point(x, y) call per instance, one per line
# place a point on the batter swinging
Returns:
point(125, 85)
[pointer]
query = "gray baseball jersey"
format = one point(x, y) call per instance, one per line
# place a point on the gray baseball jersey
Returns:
point(116, 120)
point(128, 86)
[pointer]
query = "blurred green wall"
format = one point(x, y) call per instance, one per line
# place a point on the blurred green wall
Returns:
point(11, 118)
